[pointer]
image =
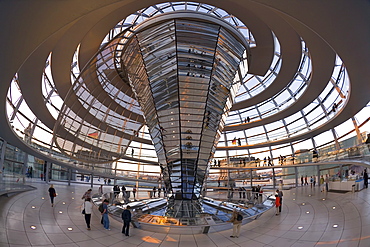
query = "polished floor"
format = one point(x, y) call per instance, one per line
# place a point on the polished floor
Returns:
point(309, 218)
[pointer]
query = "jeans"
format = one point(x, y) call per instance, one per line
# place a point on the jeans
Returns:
point(106, 221)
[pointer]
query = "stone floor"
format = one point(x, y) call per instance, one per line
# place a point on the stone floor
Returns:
point(309, 218)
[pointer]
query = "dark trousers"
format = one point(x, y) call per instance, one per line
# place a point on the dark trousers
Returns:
point(281, 204)
point(126, 227)
point(88, 219)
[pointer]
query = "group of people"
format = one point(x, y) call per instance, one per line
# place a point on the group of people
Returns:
point(87, 209)
point(103, 209)
point(324, 182)
point(278, 201)
point(155, 190)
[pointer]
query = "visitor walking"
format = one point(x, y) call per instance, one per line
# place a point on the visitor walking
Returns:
point(126, 218)
point(236, 219)
point(87, 210)
point(52, 194)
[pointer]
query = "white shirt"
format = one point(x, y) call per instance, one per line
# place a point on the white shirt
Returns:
point(88, 207)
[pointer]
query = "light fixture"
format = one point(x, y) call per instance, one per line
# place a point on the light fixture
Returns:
point(69, 228)
point(300, 227)
point(73, 198)
point(60, 212)
point(33, 207)
point(64, 203)
point(307, 212)
point(303, 203)
point(33, 227)
point(42, 198)
point(335, 226)
point(309, 195)
point(293, 199)
point(333, 207)
point(323, 199)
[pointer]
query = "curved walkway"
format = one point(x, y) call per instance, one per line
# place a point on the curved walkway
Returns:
point(309, 218)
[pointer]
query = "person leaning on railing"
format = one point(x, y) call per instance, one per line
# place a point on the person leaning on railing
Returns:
point(368, 142)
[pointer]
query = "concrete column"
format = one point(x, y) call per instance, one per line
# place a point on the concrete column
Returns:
point(296, 176)
point(2, 157)
point(25, 166)
point(69, 176)
point(318, 174)
point(92, 182)
point(251, 177)
point(273, 178)
point(47, 173)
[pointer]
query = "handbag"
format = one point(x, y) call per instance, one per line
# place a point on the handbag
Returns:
point(55, 194)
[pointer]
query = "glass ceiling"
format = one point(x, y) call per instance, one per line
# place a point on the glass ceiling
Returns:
point(121, 115)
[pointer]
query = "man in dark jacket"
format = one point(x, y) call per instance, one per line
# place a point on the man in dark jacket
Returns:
point(366, 179)
point(126, 217)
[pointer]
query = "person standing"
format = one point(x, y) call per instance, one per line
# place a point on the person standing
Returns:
point(236, 224)
point(100, 190)
point(87, 207)
point(277, 203)
point(366, 179)
point(280, 195)
point(367, 142)
point(123, 188)
point(126, 218)
point(302, 183)
point(154, 191)
point(87, 194)
point(105, 215)
point(52, 194)
point(134, 192)
point(327, 183)
point(322, 181)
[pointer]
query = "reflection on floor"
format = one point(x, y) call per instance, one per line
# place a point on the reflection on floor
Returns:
point(309, 218)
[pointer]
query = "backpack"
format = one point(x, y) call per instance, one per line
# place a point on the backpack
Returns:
point(101, 209)
point(239, 217)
